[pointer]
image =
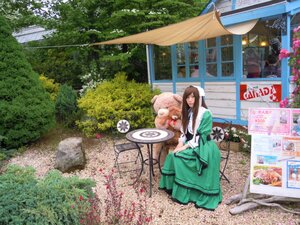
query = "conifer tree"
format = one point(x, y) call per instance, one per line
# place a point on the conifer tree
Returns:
point(26, 111)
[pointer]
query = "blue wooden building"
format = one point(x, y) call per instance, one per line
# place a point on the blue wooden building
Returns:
point(237, 71)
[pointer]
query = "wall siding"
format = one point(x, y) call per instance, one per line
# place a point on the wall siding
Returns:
point(245, 3)
point(221, 99)
point(226, 5)
point(164, 87)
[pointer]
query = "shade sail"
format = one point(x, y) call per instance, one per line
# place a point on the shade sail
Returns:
point(194, 29)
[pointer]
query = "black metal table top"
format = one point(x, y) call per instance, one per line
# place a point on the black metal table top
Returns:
point(149, 135)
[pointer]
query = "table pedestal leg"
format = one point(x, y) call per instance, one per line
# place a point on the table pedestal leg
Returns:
point(151, 170)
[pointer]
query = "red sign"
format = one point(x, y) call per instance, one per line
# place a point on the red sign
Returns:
point(272, 92)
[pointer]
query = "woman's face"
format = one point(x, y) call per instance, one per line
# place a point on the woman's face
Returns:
point(190, 100)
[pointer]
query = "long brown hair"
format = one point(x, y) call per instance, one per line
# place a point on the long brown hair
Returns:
point(185, 107)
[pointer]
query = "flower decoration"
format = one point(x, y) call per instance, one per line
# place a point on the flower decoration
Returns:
point(217, 134)
point(123, 126)
point(293, 101)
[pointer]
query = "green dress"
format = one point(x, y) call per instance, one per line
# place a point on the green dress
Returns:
point(193, 175)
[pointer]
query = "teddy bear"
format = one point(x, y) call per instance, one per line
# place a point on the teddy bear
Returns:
point(161, 104)
point(171, 122)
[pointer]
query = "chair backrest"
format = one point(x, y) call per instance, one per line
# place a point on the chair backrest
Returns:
point(123, 126)
point(119, 129)
point(220, 132)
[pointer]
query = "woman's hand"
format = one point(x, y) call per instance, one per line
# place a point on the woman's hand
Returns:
point(180, 147)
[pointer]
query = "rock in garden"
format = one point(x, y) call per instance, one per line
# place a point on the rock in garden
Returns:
point(70, 155)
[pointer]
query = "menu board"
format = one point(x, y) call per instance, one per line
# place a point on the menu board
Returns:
point(275, 151)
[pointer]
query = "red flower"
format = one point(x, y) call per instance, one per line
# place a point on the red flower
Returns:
point(98, 136)
point(284, 54)
point(81, 198)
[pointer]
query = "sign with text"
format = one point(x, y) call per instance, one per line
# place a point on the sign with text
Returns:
point(275, 151)
point(269, 93)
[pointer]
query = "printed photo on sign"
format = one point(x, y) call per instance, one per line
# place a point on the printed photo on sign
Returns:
point(293, 170)
point(266, 159)
point(267, 175)
point(296, 123)
point(291, 146)
point(270, 121)
point(265, 143)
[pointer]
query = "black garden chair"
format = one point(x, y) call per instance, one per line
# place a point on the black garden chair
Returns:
point(218, 134)
point(129, 158)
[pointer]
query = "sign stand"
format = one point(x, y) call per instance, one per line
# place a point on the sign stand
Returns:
point(247, 201)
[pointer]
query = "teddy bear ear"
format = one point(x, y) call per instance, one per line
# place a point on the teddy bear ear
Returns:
point(154, 99)
point(178, 98)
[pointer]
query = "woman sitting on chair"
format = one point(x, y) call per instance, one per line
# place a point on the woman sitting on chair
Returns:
point(192, 172)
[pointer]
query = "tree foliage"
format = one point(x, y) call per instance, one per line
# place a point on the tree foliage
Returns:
point(21, 13)
point(66, 105)
point(89, 21)
point(26, 110)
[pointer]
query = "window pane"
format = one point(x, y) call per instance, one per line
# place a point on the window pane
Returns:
point(162, 63)
point(181, 72)
point(261, 48)
point(211, 70)
point(210, 42)
point(194, 71)
point(227, 69)
point(180, 54)
point(211, 55)
point(227, 53)
point(193, 52)
point(226, 40)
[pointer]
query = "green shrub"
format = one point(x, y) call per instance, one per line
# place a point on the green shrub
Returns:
point(117, 99)
point(26, 110)
point(50, 86)
point(66, 105)
point(51, 200)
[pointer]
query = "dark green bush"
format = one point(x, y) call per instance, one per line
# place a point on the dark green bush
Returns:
point(26, 110)
point(52, 200)
point(66, 105)
point(117, 99)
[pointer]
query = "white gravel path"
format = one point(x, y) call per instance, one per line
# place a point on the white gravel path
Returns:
point(100, 155)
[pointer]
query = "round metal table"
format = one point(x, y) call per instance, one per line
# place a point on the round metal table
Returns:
point(150, 136)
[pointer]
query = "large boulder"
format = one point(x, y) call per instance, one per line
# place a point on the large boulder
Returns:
point(70, 155)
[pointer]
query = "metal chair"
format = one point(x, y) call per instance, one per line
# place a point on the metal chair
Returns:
point(129, 156)
point(218, 134)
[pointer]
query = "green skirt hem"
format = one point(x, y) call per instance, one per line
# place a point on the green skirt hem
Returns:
point(185, 195)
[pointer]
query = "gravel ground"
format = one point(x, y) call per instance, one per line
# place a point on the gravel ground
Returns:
point(100, 155)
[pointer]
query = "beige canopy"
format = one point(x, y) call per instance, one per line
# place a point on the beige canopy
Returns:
point(194, 29)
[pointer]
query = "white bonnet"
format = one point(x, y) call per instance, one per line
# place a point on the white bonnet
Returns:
point(200, 90)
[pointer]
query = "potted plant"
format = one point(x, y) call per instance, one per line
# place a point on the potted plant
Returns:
point(239, 139)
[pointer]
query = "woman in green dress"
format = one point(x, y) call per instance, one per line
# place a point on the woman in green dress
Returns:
point(191, 173)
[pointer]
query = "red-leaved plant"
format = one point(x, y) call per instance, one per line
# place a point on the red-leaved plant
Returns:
point(119, 212)
point(116, 210)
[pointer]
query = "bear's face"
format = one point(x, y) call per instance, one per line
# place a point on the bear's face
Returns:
point(162, 103)
point(174, 113)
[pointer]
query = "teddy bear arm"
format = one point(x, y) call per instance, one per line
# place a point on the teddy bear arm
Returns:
point(177, 125)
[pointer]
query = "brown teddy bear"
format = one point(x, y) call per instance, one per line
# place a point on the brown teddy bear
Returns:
point(171, 122)
point(161, 105)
